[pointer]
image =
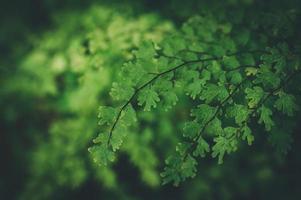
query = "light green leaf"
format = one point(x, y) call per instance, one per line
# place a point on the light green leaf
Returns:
point(172, 45)
point(101, 154)
point(121, 92)
point(170, 99)
point(212, 92)
point(118, 136)
point(214, 127)
point(149, 98)
point(106, 115)
point(202, 148)
point(254, 95)
point(146, 51)
point(128, 116)
point(239, 113)
point(224, 144)
point(265, 117)
point(132, 73)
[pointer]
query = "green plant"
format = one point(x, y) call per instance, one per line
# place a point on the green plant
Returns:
point(196, 88)
point(237, 76)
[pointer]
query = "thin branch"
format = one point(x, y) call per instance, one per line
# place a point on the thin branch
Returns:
point(146, 84)
point(196, 139)
point(162, 74)
point(220, 106)
point(271, 93)
point(245, 122)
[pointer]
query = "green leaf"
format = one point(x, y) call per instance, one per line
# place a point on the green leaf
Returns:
point(191, 129)
point(190, 75)
point(198, 81)
point(286, 104)
point(276, 58)
point(149, 98)
point(228, 44)
point(265, 117)
point(230, 62)
point(267, 77)
point(102, 138)
point(162, 63)
point(147, 65)
point(195, 88)
point(236, 78)
point(254, 95)
point(106, 115)
point(162, 85)
point(213, 91)
point(170, 99)
point(218, 50)
point(172, 171)
point(230, 131)
point(224, 144)
point(101, 154)
point(239, 113)
point(121, 92)
point(132, 73)
point(203, 113)
point(202, 148)
point(178, 169)
point(182, 148)
point(128, 116)
point(214, 127)
point(188, 168)
point(251, 71)
point(247, 135)
point(146, 51)
point(118, 136)
point(172, 45)
point(167, 91)
point(215, 69)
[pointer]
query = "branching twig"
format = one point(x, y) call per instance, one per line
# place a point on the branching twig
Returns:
point(271, 93)
point(220, 106)
point(146, 84)
point(196, 139)
point(162, 74)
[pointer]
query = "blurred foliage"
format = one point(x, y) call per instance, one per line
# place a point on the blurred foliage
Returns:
point(58, 65)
